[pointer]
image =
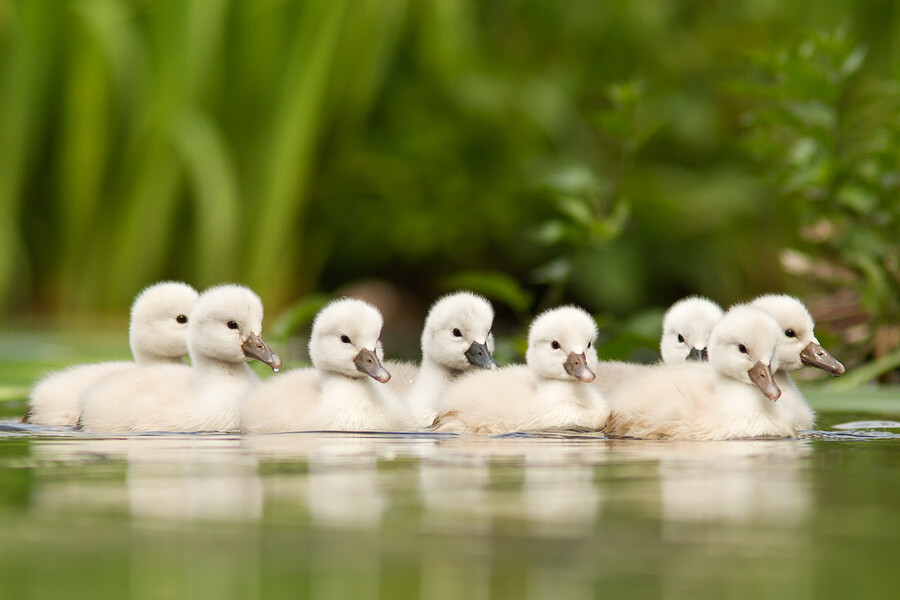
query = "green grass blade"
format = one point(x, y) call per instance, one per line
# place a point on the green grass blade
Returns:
point(211, 175)
point(84, 156)
point(294, 132)
point(24, 74)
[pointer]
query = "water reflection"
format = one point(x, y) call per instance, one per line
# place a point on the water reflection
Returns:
point(547, 484)
point(526, 516)
point(165, 477)
point(747, 501)
point(551, 486)
point(736, 481)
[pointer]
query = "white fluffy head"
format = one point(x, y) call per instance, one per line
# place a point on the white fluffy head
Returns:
point(340, 331)
point(797, 327)
point(453, 324)
point(224, 318)
point(159, 321)
point(557, 333)
point(743, 337)
point(687, 326)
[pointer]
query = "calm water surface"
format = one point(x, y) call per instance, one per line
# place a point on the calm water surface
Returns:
point(424, 516)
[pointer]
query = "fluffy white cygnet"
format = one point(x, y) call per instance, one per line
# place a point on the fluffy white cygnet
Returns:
point(224, 333)
point(549, 393)
point(797, 347)
point(456, 339)
point(732, 397)
point(686, 329)
point(157, 335)
point(345, 392)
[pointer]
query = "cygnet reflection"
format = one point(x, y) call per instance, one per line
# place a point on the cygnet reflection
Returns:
point(165, 477)
point(547, 484)
point(341, 487)
point(737, 482)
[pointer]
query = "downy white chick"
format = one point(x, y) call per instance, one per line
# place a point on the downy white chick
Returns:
point(686, 328)
point(456, 339)
point(797, 347)
point(345, 391)
point(224, 333)
point(732, 397)
point(549, 393)
point(157, 335)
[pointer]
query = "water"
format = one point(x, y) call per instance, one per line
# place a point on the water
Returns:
point(425, 516)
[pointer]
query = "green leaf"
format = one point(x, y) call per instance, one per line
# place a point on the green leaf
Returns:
point(611, 227)
point(854, 61)
point(862, 375)
point(814, 113)
point(576, 209)
point(856, 198)
point(549, 233)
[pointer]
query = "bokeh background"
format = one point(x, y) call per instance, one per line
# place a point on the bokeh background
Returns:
point(618, 155)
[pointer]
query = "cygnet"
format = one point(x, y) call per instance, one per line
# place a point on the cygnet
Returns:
point(734, 396)
point(456, 339)
point(345, 392)
point(224, 334)
point(686, 329)
point(797, 347)
point(157, 335)
point(551, 392)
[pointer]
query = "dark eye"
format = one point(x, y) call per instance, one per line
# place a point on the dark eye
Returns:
point(589, 344)
point(232, 325)
point(457, 333)
point(345, 339)
point(790, 333)
point(554, 344)
point(680, 339)
point(742, 348)
point(181, 318)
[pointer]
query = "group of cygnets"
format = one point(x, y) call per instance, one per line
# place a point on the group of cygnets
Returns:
point(723, 375)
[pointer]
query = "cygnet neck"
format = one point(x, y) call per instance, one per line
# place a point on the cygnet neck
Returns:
point(207, 366)
point(432, 373)
point(151, 358)
point(741, 391)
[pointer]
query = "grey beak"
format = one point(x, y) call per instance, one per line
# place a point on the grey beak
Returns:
point(367, 362)
point(256, 347)
point(576, 366)
point(815, 355)
point(480, 356)
point(761, 375)
point(698, 355)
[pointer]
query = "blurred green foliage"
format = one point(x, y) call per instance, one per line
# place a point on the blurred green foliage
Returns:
point(542, 152)
point(829, 141)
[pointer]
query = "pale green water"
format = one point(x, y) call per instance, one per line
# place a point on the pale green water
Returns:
point(419, 516)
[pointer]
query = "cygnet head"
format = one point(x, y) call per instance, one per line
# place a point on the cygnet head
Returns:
point(687, 326)
point(798, 345)
point(159, 321)
point(226, 326)
point(561, 344)
point(457, 333)
point(743, 347)
point(345, 340)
